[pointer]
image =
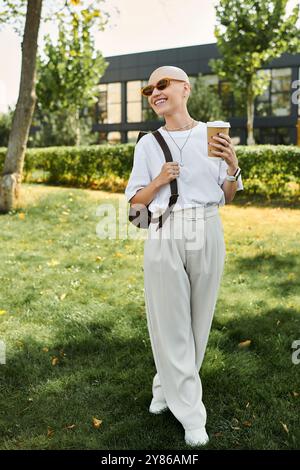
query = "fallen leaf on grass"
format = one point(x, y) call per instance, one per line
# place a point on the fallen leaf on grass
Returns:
point(3, 312)
point(245, 344)
point(291, 276)
point(54, 361)
point(285, 427)
point(70, 426)
point(248, 424)
point(53, 262)
point(98, 258)
point(97, 423)
point(296, 394)
point(50, 432)
point(45, 349)
point(62, 296)
point(235, 426)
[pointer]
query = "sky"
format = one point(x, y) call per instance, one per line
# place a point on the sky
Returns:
point(169, 23)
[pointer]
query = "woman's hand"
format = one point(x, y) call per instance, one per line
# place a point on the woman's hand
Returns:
point(169, 172)
point(225, 150)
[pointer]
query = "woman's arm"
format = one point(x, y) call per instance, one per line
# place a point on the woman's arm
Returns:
point(147, 194)
point(169, 171)
point(229, 188)
point(227, 152)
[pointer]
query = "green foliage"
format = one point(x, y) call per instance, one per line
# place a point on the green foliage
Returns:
point(249, 35)
point(14, 12)
point(268, 170)
point(204, 103)
point(67, 83)
point(5, 126)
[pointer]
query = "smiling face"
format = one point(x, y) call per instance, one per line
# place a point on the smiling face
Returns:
point(172, 99)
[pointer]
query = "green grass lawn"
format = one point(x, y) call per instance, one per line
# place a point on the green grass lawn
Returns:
point(72, 315)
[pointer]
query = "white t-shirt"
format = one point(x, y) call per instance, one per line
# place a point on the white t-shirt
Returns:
point(200, 179)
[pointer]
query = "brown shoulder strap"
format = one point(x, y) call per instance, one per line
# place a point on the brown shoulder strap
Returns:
point(173, 183)
point(141, 133)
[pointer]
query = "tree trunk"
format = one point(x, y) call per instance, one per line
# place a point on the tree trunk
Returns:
point(250, 116)
point(10, 181)
point(77, 124)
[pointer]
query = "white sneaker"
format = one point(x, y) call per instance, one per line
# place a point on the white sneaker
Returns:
point(157, 407)
point(196, 437)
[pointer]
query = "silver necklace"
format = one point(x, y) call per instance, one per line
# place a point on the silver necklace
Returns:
point(180, 149)
point(177, 129)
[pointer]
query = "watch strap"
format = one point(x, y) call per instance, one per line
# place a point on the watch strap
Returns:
point(235, 176)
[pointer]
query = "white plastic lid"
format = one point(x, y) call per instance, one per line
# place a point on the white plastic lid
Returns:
point(218, 124)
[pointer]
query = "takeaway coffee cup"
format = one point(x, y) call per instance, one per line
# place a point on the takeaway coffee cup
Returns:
point(213, 128)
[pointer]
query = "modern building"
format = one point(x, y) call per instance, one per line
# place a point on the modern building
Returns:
point(122, 111)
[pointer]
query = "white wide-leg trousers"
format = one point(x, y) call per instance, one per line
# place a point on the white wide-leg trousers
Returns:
point(183, 267)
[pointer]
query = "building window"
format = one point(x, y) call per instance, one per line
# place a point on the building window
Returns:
point(263, 102)
point(233, 105)
point(134, 100)
point(147, 112)
point(275, 101)
point(109, 103)
point(273, 135)
point(297, 91)
point(102, 104)
point(238, 135)
point(132, 136)
point(138, 108)
point(114, 137)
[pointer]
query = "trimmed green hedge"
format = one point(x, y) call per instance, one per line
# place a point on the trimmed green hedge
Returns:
point(267, 170)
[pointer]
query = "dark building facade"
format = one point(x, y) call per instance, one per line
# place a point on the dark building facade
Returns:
point(122, 111)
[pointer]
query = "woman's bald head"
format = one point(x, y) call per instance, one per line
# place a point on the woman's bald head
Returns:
point(167, 71)
point(172, 72)
point(175, 96)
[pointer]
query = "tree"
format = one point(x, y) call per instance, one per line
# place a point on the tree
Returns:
point(67, 80)
point(204, 103)
point(249, 35)
point(14, 161)
point(11, 177)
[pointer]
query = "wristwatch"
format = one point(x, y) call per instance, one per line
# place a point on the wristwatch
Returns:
point(235, 176)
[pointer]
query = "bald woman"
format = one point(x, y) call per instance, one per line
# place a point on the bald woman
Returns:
point(184, 259)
